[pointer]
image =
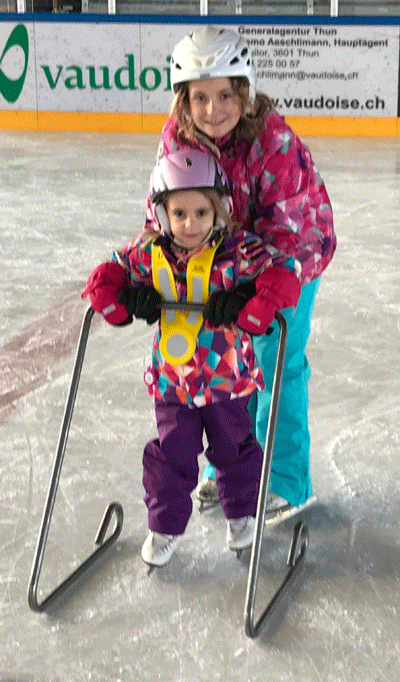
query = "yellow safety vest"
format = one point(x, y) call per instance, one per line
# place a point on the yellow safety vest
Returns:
point(179, 328)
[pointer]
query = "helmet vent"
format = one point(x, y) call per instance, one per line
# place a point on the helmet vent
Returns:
point(188, 162)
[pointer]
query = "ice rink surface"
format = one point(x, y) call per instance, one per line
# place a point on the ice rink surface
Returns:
point(67, 200)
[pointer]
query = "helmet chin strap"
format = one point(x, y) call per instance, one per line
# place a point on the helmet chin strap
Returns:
point(162, 217)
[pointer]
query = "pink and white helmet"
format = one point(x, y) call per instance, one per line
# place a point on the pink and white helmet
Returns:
point(212, 52)
point(186, 169)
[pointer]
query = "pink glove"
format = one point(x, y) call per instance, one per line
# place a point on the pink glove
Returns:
point(277, 288)
point(103, 286)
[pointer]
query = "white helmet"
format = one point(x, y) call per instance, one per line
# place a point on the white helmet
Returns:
point(212, 52)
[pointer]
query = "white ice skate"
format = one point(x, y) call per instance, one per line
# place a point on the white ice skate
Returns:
point(278, 509)
point(207, 492)
point(158, 548)
point(240, 533)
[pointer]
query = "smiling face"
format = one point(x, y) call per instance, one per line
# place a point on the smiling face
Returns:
point(191, 217)
point(214, 106)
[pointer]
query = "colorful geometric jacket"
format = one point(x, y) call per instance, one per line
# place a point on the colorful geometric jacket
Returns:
point(224, 365)
point(277, 192)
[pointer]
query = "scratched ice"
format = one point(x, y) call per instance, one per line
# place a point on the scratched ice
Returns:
point(67, 200)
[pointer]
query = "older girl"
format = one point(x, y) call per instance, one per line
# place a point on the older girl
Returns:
point(279, 195)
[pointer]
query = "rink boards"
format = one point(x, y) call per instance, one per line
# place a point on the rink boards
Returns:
point(327, 76)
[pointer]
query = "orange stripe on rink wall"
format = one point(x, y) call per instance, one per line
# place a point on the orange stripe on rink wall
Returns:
point(344, 126)
point(82, 121)
point(18, 120)
point(73, 121)
point(85, 121)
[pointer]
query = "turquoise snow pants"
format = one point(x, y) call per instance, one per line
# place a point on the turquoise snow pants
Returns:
point(290, 473)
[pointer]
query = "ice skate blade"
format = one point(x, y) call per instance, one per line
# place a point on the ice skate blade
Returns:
point(239, 552)
point(150, 567)
point(287, 512)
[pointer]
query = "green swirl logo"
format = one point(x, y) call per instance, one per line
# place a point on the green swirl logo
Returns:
point(10, 88)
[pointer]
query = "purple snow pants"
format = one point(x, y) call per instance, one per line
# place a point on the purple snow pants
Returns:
point(170, 463)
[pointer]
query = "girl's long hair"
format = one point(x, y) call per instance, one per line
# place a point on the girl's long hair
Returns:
point(252, 118)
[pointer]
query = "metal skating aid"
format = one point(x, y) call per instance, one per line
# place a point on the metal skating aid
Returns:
point(299, 545)
point(113, 509)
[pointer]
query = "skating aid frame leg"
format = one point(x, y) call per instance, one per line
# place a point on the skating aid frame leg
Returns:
point(299, 545)
point(113, 509)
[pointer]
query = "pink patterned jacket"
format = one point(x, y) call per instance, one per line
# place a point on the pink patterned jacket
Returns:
point(277, 192)
point(224, 365)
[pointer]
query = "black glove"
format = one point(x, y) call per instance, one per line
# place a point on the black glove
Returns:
point(223, 307)
point(142, 302)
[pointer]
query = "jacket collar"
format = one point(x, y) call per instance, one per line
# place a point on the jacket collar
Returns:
point(219, 144)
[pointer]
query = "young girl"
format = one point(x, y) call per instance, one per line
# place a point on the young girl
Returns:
point(279, 195)
point(203, 368)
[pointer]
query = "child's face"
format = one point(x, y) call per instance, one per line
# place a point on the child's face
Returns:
point(191, 217)
point(214, 107)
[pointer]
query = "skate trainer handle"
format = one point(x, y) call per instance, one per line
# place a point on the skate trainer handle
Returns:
point(177, 305)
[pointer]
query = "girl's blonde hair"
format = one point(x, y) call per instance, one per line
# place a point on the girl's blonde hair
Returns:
point(221, 214)
point(252, 117)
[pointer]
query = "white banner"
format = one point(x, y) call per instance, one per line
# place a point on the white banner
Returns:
point(327, 70)
point(88, 67)
point(307, 70)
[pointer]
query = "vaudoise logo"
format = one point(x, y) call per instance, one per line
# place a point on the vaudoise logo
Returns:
point(10, 88)
point(69, 77)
